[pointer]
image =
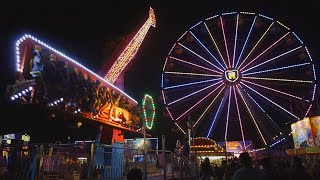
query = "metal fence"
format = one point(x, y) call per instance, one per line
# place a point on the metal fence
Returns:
point(89, 161)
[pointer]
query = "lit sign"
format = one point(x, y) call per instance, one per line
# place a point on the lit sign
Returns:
point(232, 75)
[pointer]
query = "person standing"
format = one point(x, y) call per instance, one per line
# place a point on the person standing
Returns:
point(246, 171)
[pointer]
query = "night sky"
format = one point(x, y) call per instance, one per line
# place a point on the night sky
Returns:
point(92, 33)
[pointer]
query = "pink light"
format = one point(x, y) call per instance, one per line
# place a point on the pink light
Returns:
point(225, 41)
point(199, 102)
point(264, 51)
point(235, 96)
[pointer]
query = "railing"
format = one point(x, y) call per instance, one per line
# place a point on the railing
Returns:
point(90, 161)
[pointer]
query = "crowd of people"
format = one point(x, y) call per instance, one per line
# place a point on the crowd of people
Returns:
point(267, 168)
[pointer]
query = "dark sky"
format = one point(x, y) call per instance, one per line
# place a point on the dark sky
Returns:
point(84, 31)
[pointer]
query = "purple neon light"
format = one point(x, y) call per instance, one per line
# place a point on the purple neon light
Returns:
point(255, 123)
point(215, 118)
point(245, 43)
point(175, 101)
point(277, 57)
point(203, 46)
point(225, 41)
point(264, 51)
point(204, 59)
point(270, 101)
point(198, 103)
point(228, 112)
point(240, 121)
point(171, 57)
point(235, 41)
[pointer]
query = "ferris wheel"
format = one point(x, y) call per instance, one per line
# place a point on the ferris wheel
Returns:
point(239, 76)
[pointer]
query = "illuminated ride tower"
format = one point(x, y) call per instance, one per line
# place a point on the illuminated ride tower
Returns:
point(116, 74)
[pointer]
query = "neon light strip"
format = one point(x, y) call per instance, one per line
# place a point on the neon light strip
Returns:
point(297, 37)
point(215, 44)
point(266, 17)
point(270, 101)
point(131, 50)
point(277, 127)
point(271, 59)
point(149, 126)
point(271, 89)
point(255, 45)
point(208, 51)
point(277, 69)
point(169, 113)
point(195, 93)
point(245, 43)
point(264, 51)
point(277, 142)
point(193, 83)
point(194, 125)
point(228, 13)
point(308, 110)
point(274, 79)
point(171, 50)
point(225, 41)
point(70, 59)
point(228, 112)
point(255, 123)
point(244, 12)
point(313, 68)
point(283, 25)
point(186, 62)
point(163, 97)
point(180, 128)
point(197, 103)
point(314, 91)
point(212, 17)
point(196, 25)
point(240, 121)
point(199, 56)
point(235, 41)
point(192, 74)
point(215, 118)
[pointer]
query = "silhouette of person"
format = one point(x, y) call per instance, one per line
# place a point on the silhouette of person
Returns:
point(134, 174)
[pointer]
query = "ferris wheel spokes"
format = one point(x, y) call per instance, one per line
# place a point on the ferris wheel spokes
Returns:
point(216, 46)
point(288, 112)
point(208, 107)
point(239, 116)
point(205, 97)
point(204, 47)
point(196, 65)
point(235, 41)
point(267, 49)
point(277, 91)
point(196, 92)
point(225, 42)
point(245, 43)
point(202, 58)
point(274, 58)
point(254, 47)
point(252, 117)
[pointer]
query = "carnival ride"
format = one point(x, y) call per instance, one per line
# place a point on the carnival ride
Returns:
point(239, 76)
point(131, 49)
point(47, 76)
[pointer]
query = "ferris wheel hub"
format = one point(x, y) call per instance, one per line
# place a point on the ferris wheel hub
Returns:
point(232, 75)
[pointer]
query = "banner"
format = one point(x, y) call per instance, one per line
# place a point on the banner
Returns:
point(237, 146)
point(301, 133)
point(315, 129)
